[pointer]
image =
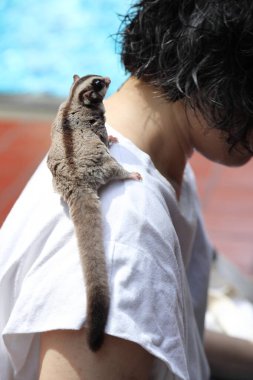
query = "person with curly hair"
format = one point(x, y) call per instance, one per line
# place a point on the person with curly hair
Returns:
point(190, 88)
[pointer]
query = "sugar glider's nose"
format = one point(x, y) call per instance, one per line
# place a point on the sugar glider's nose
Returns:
point(107, 81)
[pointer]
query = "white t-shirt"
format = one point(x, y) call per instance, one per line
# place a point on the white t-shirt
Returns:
point(158, 260)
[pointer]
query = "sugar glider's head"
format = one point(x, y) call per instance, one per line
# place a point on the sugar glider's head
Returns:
point(89, 90)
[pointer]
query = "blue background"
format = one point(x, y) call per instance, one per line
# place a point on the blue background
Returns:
point(43, 43)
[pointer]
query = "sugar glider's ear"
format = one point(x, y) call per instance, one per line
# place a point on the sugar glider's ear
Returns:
point(75, 78)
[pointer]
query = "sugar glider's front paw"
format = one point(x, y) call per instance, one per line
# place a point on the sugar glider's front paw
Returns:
point(112, 139)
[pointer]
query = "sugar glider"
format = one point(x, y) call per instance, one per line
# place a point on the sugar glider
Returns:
point(80, 162)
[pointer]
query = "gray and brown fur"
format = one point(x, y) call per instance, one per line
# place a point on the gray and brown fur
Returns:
point(80, 163)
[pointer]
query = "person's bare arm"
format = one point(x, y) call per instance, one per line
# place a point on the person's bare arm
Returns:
point(66, 356)
point(229, 358)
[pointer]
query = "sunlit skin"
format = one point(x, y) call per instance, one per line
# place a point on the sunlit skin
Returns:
point(168, 132)
point(212, 143)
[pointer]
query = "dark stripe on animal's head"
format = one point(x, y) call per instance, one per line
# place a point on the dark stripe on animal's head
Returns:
point(79, 81)
point(82, 79)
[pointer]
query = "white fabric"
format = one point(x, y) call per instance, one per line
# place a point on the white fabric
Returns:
point(151, 243)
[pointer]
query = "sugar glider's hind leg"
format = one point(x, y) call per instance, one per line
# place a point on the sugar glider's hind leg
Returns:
point(118, 172)
point(134, 175)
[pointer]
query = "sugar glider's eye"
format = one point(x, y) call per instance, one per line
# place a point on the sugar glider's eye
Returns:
point(98, 84)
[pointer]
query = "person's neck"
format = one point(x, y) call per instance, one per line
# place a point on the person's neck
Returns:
point(156, 126)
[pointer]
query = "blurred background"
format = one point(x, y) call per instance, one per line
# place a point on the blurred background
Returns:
point(42, 45)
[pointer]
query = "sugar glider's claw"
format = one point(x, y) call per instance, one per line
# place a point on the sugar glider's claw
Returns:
point(136, 176)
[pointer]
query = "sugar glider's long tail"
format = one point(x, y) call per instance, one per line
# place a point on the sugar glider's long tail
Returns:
point(86, 215)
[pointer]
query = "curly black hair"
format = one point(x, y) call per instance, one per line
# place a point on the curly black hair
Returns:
point(197, 50)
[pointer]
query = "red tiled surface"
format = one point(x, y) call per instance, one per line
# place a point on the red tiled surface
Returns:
point(227, 201)
point(226, 193)
point(23, 143)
